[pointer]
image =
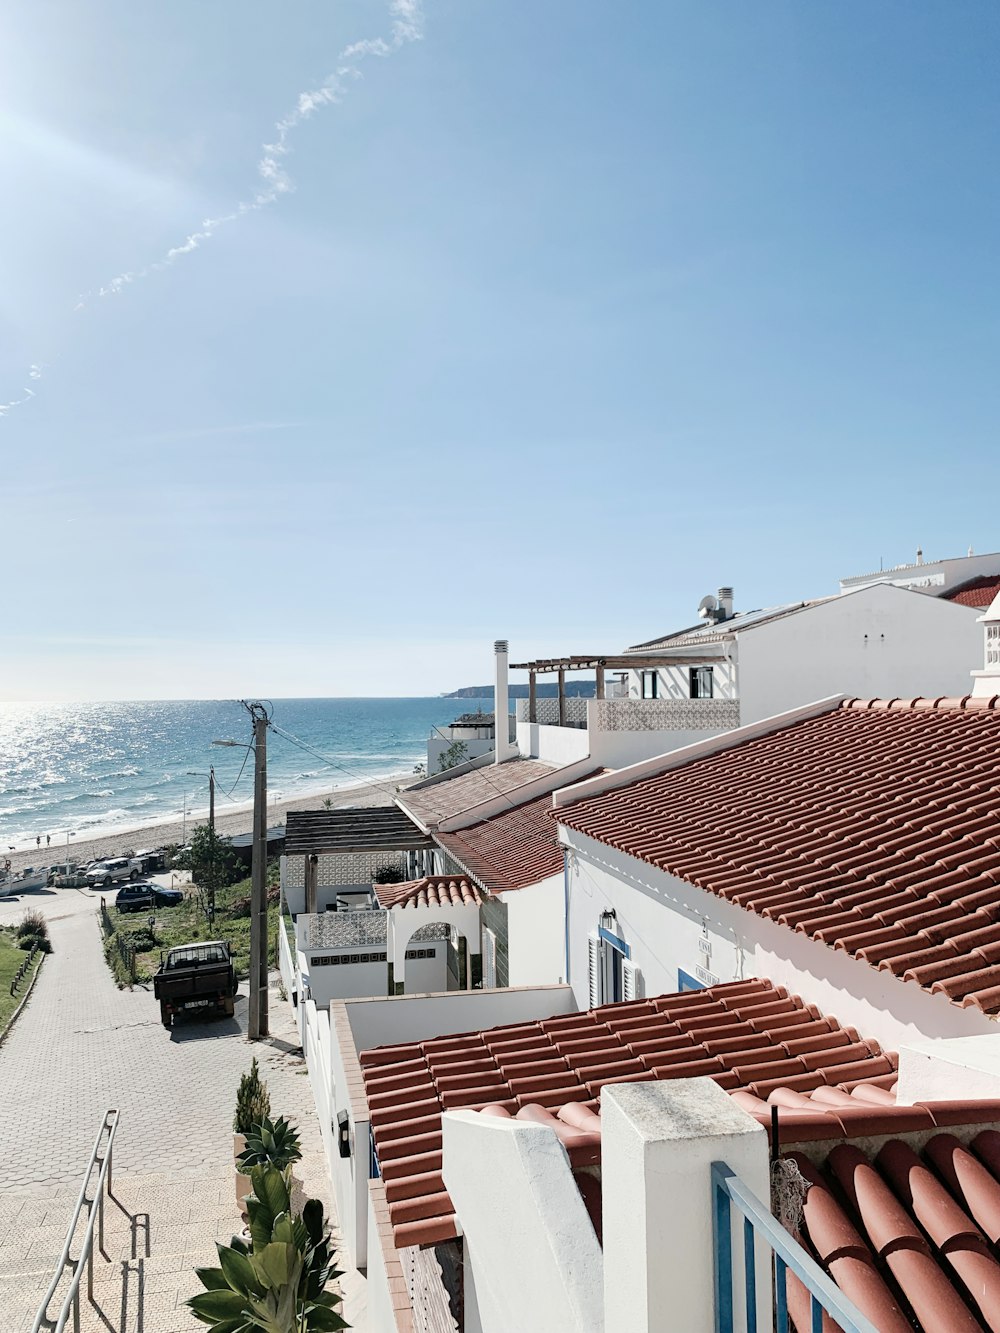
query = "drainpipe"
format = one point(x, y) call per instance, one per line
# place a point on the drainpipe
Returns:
point(566, 911)
point(501, 724)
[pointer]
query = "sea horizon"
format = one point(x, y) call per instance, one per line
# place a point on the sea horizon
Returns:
point(95, 768)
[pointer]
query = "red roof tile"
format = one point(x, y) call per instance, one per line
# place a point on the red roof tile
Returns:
point(441, 797)
point(874, 828)
point(431, 891)
point(515, 848)
point(748, 1035)
point(976, 592)
point(910, 1236)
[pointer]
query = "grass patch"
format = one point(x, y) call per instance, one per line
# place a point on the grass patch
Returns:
point(186, 924)
point(11, 958)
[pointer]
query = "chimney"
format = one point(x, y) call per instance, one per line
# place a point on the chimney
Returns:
point(725, 603)
point(501, 742)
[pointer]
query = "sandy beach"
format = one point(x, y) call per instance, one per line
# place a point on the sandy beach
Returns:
point(116, 842)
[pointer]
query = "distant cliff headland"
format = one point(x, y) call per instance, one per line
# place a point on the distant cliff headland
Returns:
point(575, 689)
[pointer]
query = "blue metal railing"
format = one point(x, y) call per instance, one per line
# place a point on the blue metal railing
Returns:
point(825, 1297)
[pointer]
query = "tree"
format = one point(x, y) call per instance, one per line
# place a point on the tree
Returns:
point(456, 753)
point(212, 863)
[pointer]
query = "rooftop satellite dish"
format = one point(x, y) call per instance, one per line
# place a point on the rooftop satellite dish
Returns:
point(707, 607)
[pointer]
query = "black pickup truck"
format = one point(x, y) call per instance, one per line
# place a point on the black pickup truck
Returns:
point(195, 977)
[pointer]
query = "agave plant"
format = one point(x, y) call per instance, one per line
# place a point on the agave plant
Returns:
point(271, 1143)
point(276, 1283)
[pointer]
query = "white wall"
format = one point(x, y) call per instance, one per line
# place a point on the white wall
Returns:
point(426, 974)
point(345, 981)
point(348, 1175)
point(663, 918)
point(552, 745)
point(915, 645)
point(535, 1258)
point(416, 1017)
point(474, 747)
point(536, 933)
point(674, 682)
point(619, 749)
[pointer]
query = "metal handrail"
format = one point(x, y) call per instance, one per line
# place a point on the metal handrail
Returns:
point(109, 1126)
point(758, 1220)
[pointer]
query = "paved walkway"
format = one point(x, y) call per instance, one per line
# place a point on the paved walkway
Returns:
point(82, 1046)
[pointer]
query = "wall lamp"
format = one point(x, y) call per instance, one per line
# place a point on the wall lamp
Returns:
point(343, 1134)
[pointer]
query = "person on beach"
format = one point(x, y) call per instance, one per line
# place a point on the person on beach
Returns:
point(38, 841)
point(48, 839)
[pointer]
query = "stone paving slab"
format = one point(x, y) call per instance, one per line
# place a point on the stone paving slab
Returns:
point(81, 1046)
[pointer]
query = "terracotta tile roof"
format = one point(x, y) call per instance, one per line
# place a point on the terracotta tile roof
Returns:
point(512, 849)
point(431, 891)
point(909, 1235)
point(975, 592)
point(746, 1035)
point(433, 801)
point(873, 828)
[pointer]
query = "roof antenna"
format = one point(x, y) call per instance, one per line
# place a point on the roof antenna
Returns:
point(971, 551)
point(920, 555)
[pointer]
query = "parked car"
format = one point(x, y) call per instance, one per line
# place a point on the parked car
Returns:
point(106, 873)
point(195, 976)
point(142, 897)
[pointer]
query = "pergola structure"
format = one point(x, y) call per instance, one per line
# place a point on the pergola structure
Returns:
point(353, 831)
point(586, 662)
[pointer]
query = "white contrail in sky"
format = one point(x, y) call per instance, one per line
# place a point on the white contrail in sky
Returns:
point(407, 26)
point(27, 393)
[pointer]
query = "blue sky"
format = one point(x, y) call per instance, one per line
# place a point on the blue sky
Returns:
point(575, 311)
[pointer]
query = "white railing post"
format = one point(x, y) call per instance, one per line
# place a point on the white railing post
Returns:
point(658, 1144)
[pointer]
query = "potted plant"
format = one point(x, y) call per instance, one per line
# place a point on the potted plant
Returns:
point(276, 1283)
point(253, 1105)
point(271, 1143)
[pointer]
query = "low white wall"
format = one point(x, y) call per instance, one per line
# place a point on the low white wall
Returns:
point(346, 981)
point(286, 963)
point(962, 1068)
point(416, 1017)
point(536, 948)
point(664, 919)
point(348, 1175)
point(552, 745)
point(618, 749)
point(426, 974)
point(381, 1318)
point(536, 1262)
point(474, 748)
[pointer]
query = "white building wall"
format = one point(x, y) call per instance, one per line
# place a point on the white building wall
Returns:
point(879, 642)
point(674, 681)
point(345, 981)
point(664, 919)
point(536, 936)
point(552, 745)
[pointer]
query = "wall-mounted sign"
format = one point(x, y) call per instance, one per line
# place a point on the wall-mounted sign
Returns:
point(705, 945)
point(706, 978)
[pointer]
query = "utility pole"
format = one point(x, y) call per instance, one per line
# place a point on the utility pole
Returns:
point(258, 919)
point(211, 800)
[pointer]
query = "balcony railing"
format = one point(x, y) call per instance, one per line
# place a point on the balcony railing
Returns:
point(824, 1296)
point(665, 714)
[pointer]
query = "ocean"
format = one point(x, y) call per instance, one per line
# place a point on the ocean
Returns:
point(96, 768)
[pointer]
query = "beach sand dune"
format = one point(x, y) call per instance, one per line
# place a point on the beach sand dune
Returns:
point(116, 842)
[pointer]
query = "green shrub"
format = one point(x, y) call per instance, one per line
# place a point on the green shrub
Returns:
point(276, 1284)
point(29, 942)
point(32, 923)
point(253, 1104)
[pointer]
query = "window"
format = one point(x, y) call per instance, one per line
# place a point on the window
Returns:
point(687, 982)
point(701, 682)
point(612, 974)
point(489, 958)
point(650, 680)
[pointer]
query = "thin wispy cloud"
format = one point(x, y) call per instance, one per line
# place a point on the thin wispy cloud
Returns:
point(27, 392)
point(274, 180)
